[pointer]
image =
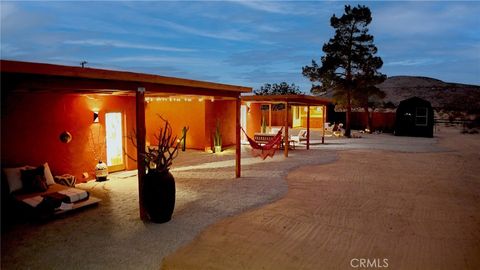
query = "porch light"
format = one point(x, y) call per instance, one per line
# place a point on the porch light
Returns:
point(95, 117)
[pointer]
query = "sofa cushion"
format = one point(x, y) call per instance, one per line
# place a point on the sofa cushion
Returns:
point(33, 180)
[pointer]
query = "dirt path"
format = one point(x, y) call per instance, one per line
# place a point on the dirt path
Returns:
point(416, 210)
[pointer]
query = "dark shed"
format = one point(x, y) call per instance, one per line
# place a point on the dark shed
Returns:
point(414, 118)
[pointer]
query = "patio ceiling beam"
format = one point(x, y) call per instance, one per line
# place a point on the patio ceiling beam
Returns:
point(291, 99)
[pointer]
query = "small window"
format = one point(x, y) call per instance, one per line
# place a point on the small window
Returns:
point(421, 116)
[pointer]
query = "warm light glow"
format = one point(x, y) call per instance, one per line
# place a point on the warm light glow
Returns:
point(171, 99)
point(113, 124)
point(93, 103)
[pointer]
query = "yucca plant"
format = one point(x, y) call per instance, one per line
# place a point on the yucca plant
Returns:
point(264, 124)
point(160, 157)
point(217, 138)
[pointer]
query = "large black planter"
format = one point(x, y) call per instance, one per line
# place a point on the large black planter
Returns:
point(159, 196)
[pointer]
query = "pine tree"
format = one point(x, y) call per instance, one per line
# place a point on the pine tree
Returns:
point(278, 89)
point(349, 65)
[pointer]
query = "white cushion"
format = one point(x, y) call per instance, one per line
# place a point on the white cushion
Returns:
point(48, 174)
point(14, 177)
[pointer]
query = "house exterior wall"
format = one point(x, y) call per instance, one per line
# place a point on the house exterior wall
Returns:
point(254, 119)
point(199, 116)
point(179, 114)
point(278, 119)
point(224, 112)
point(32, 122)
point(31, 125)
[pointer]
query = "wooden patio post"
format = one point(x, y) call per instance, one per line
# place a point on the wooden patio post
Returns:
point(285, 138)
point(323, 124)
point(238, 150)
point(270, 116)
point(141, 133)
point(308, 127)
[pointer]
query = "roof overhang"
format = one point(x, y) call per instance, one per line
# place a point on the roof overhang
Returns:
point(303, 100)
point(19, 76)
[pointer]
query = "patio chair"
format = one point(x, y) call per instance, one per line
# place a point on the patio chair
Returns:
point(302, 136)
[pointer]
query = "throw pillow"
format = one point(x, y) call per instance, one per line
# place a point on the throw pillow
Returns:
point(14, 177)
point(48, 174)
point(34, 180)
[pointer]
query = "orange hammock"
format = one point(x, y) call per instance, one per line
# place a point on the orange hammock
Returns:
point(266, 150)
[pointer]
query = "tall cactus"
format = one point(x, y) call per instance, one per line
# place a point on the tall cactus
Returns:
point(184, 138)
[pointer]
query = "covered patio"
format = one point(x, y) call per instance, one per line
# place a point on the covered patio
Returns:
point(44, 99)
point(299, 102)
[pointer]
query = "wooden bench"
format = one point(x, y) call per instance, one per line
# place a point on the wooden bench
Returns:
point(263, 138)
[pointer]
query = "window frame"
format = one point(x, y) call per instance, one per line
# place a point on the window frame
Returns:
point(424, 121)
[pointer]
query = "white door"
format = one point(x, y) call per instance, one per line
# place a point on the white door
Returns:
point(243, 122)
point(114, 139)
point(297, 119)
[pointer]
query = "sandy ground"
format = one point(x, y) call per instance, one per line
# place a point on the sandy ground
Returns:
point(416, 204)
point(111, 235)
point(414, 210)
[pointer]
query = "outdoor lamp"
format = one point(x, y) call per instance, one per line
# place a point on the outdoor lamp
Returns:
point(95, 117)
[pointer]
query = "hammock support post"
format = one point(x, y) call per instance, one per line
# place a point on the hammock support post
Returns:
point(238, 150)
point(141, 137)
point(285, 138)
point(308, 127)
point(323, 124)
point(270, 115)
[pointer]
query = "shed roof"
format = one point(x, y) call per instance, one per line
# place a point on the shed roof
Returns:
point(291, 99)
point(28, 76)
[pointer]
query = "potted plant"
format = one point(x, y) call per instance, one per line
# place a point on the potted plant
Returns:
point(159, 183)
point(217, 139)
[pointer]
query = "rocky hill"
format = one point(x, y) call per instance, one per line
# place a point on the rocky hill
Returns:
point(442, 95)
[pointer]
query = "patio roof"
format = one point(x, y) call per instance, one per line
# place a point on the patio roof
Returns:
point(299, 100)
point(28, 76)
point(290, 99)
